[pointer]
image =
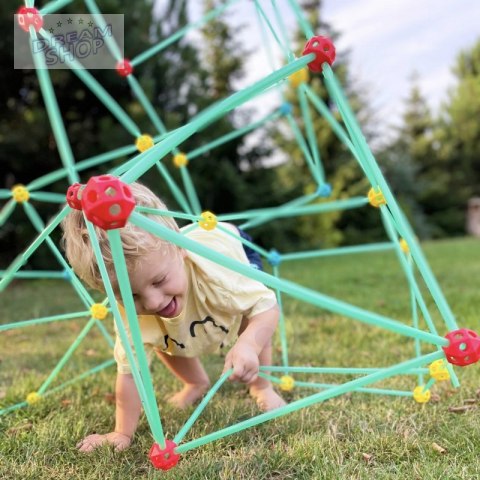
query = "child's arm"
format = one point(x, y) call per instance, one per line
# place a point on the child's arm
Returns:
point(128, 409)
point(243, 357)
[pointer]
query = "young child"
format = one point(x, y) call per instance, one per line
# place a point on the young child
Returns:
point(186, 305)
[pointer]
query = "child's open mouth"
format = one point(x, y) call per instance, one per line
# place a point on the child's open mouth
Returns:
point(169, 310)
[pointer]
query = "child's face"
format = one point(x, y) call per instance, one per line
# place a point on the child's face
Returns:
point(159, 283)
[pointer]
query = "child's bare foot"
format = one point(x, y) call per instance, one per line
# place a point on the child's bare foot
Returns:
point(188, 395)
point(267, 398)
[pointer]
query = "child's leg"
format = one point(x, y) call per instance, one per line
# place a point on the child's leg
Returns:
point(261, 389)
point(193, 376)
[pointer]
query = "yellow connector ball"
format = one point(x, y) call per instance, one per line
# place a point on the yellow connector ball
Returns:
point(299, 77)
point(438, 370)
point(376, 198)
point(404, 246)
point(208, 220)
point(420, 395)
point(287, 383)
point(33, 397)
point(144, 142)
point(98, 311)
point(180, 160)
point(20, 193)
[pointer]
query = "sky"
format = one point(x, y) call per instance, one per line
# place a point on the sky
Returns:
point(387, 40)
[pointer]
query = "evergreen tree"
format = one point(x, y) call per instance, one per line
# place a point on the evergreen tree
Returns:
point(341, 170)
point(459, 137)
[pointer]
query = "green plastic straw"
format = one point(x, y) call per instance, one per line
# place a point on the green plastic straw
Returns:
point(105, 333)
point(96, 88)
point(286, 52)
point(40, 226)
point(244, 241)
point(304, 148)
point(4, 194)
point(37, 274)
point(323, 386)
point(54, 6)
point(131, 314)
point(120, 326)
point(308, 210)
point(406, 230)
point(145, 102)
point(177, 193)
point(22, 259)
point(191, 193)
point(305, 402)
point(282, 326)
point(201, 407)
point(297, 291)
point(53, 111)
point(180, 33)
point(311, 136)
point(319, 104)
point(6, 211)
point(230, 136)
point(338, 370)
point(48, 197)
point(375, 247)
point(206, 117)
point(293, 203)
point(304, 24)
point(100, 21)
point(38, 321)
point(66, 356)
point(167, 213)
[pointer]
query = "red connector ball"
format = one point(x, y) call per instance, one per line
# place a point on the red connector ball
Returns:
point(124, 68)
point(29, 16)
point(73, 197)
point(166, 458)
point(324, 50)
point(464, 347)
point(107, 202)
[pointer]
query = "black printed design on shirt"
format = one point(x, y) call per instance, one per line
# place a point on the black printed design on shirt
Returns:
point(202, 322)
point(165, 339)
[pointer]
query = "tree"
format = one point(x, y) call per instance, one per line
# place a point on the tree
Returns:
point(341, 170)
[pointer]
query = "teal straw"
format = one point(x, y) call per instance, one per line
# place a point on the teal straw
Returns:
point(66, 356)
point(22, 259)
point(54, 6)
point(244, 241)
point(201, 407)
point(53, 111)
point(312, 138)
point(131, 314)
point(354, 202)
point(304, 24)
point(338, 370)
point(180, 33)
point(37, 274)
point(305, 402)
point(282, 326)
point(119, 323)
point(38, 321)
point(375, 247)
point(100, 21)
point(291, 288)
point(4, 194)
point(191, 193)
point(177, 193)
point(6, 211)
point(48, 197)
point(209, 115)
point(293, 203)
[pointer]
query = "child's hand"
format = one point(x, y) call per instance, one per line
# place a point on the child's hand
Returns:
point(244, 361)
point(118, 440)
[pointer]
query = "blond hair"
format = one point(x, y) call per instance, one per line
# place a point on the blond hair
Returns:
point(135, 241)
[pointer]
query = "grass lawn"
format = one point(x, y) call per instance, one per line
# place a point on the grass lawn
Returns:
point(354, 436)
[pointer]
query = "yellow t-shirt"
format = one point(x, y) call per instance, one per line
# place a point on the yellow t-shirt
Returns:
point(217, 300)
